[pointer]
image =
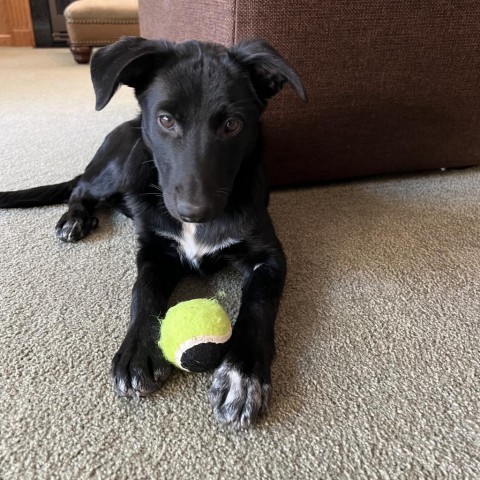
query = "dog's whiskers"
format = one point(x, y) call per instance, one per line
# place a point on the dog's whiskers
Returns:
point(157, 187)
point(155, 194)
point(223, 192)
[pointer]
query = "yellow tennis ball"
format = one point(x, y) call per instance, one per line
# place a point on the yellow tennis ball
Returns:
point(194, 334)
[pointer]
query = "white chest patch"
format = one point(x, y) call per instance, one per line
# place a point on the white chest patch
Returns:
point(193, 250)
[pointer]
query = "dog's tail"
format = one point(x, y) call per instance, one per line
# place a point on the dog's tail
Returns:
point(38, 196)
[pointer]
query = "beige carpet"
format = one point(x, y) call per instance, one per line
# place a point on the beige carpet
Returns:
point(377, 373)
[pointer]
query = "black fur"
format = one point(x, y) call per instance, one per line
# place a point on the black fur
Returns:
point(190, 164)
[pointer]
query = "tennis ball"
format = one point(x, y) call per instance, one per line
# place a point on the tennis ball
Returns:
point(194, 334)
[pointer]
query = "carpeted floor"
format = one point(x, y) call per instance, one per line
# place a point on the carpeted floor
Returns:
point(377, 373)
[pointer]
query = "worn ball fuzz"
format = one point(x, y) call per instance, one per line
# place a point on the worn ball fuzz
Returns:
point(194, 334)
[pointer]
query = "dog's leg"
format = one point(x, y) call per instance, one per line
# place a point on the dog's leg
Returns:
point(103, 178)
point(78, 221)
point(139, 367)
point(97, 182)
point(242, 384)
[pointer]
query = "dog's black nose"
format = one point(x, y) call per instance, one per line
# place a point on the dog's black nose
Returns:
point(192, 213)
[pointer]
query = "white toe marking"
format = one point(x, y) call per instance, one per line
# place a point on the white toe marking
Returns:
point(122, 386)
point(70, 235)
point(236, 387)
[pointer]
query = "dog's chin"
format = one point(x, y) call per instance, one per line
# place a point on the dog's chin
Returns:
point(206, 217)
point(198, 220)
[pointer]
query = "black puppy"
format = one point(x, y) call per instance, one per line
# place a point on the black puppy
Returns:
point(189, 172)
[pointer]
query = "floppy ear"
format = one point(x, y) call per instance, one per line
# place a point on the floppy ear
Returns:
point(128, 61)
point(268, 70)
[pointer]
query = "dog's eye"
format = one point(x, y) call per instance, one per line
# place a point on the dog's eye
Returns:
point(232, 126)
point(167, 121)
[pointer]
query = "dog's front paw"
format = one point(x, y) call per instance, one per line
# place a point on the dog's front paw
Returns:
point(238, 398)
point(72, 227)
point(139, 369)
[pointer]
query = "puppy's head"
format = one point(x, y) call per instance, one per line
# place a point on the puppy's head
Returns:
point(201, 105)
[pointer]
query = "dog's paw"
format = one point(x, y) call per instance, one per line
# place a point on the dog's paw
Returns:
point(138, 369)
point(72, 228)
point(237, 398)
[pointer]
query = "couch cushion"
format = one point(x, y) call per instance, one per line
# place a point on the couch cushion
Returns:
point(102, 11)
point(100, 22)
